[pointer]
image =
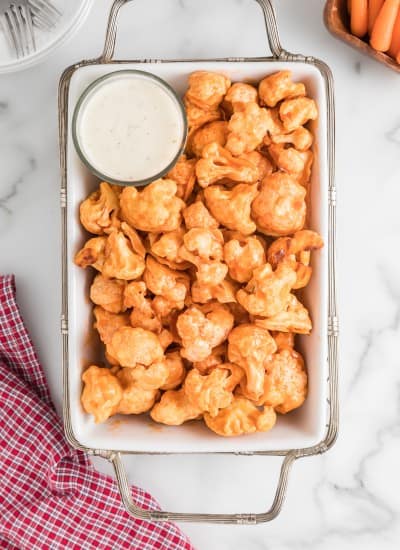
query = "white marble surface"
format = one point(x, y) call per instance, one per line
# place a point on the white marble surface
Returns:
point(348, 498)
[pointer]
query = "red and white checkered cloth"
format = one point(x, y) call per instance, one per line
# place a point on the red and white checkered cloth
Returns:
point(50, 496)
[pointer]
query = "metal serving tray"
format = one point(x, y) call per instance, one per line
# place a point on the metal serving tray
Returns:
point(310, 430)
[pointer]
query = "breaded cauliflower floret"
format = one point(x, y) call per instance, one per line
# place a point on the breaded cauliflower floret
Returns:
point(280, 208)
point(267, 292)
point(232, 207)
point(250, 347)
point(156, 208)
point(202, 329)
point(241, 417)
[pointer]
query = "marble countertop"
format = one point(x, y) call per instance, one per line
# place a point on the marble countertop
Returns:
point(348, 498)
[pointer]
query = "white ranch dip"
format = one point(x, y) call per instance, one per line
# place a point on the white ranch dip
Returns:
point(130, 127)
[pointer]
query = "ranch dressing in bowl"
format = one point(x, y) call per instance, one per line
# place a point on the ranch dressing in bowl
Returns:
point(129, 127)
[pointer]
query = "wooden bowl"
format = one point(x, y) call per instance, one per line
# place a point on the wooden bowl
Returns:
point(337, 22)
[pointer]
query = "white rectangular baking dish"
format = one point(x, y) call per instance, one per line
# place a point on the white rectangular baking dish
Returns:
point(309, 430)
point(302, 428)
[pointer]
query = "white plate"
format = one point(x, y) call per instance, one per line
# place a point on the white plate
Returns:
point(74, 13)
point(302, 428)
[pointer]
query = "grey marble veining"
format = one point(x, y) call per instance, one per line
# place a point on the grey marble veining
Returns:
point(348, 498)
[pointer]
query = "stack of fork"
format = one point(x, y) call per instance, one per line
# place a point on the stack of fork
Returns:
point(18, 19)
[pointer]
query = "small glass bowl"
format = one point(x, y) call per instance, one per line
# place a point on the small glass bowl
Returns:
point(79, 109)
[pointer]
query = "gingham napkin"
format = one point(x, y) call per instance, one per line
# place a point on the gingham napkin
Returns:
point(50, 496)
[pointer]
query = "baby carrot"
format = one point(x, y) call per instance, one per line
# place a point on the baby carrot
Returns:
point(382, 30)
point(359, 17)
point(395, 44)
point(373, 9)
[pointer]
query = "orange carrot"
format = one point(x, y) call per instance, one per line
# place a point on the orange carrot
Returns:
point(382, 30)
point(395, 44)
point(373, 9)
point(398, 58)
point(359, 17)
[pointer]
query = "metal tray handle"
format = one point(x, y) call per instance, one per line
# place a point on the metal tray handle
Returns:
point(239, 519)
point(266, 6)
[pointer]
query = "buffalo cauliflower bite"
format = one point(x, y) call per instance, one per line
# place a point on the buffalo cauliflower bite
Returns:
point(301, 139)
point(285, 385)
point(197, 216)
point(212, 132)
point(278, 86)
point(232, 207)
point(136, 399)
point(113, 256)
point(108, 293)
point(250, 347)
point(296, 112)
point(296, 163)
point(238, 96)
point(217, 163)
point(120, 260)
point(279, 209)
point(135, 346)
point(207, 89)
point(204, 249)
point(242, 255)
point(241, 417)
point(92, 254)
point(295, 251)
point(107, 323)
point(202, 245)
point(165, 247)
point(163, 281)
point(98, 213)
point(183, 174)
point(155, 208)
point(101, 394)
point(208, 393)
point(247, 129)
point(293, 318)
point(267, 292)
point(201, 330)
point(174, 408)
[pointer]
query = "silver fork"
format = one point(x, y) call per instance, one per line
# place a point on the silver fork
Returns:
point(16, 20)
point(44, 14)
